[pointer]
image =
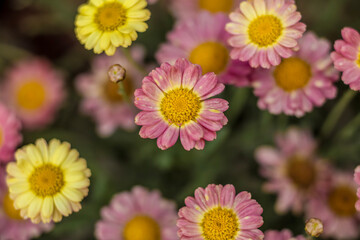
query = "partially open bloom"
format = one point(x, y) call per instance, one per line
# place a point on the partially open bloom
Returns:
point(346, 57)
point(203, 40)
point(47, 182)
point(218, 213)
point(175, 101)
point(314, 227)
point(293, 170)
point(264, 31)
point(285, 234)
point(300, 82)
point(10, 135)
point(12, 225)
point(101, 97)
point(104, 25)
point(35, 91)
point(357, 180)
point(190, 8)
point(336, 208)
point(137, 215)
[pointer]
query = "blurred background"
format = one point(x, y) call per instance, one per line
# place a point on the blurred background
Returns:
point(46, 28)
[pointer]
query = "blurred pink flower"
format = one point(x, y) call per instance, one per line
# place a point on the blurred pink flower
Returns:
point(12, 226)
point(293, 170)
point(137, 215)
point(203, 40)
point(10, 135)
point(35, 91)
point(190, 8)
point(357, 180)
point(346, 57)
point(101, 99)
point(175, 102)
point(217, 212)
point(300, 82)
point(282, 235)
point(336, 209)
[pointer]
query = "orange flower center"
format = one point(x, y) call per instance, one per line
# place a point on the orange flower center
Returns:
point(142, 228)
point(265, 30)
point(31, 95)
point(215, 6)
point(9, 209)
point(342, 201)
point(301, 171)
point(111, 16)
point(46, 180)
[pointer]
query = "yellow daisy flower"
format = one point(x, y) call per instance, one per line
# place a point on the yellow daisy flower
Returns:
point(104, 25)
point(47, 182)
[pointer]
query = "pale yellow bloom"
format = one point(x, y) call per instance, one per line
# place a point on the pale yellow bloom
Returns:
point(47, 181)
point(104, 25)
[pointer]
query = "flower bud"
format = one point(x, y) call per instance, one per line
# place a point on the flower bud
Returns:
point(314, 227)
point(116, 73)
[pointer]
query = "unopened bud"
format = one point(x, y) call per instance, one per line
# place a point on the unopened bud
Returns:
point(314, 227)
point(117, 73)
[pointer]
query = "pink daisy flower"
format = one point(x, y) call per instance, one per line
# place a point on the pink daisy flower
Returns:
point(217, 213)
point(10, 135)
point(137, 215)
point(12, 226)
point(300, 82)
point(190, 8)
point(336, 209)
point(285, 234)
point(264, 31)
point(203, 40)
point(293, 171)
point(346, 57)
point(357, 180)
point(175, 102)
point(101, 99)
point(35, 91)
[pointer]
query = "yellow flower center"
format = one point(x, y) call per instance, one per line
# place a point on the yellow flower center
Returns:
point(111, 16)
point(292, 74)
point(142, 228)
point(211, 56)
point(31, 95)
point(9, 209)
point(111, 90)
point(219, 224)
point(180, 106)
point(265, 30)
point(358, 59)
point(342, 201)
point(46, 180)
point(215, 6)
point(301, 171)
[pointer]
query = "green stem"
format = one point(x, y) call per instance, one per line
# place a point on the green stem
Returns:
point(133, 62)
point(336, 113)
point(122, 91)
point(11, 52)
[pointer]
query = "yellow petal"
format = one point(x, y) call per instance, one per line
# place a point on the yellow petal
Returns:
point(116, 38)
point(35, 207)
point(41, 144)
point(62, 204)
point(72, 194)
point(92, 40)
point(105, 41)
point(60, 154)
point(47, 209)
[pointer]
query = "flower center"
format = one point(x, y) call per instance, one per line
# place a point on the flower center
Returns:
point(180, 106)
point(301, 171)
point(265, 30)
point(9, 209)
point(292, 74)
point(111, 90)
point(46, 180)
point(342, 201)
point(358, 59)
point(142, 228)
point(31, 95)
point(211, 56)
point(219, 224)
point(215, 6)
point(111, 16)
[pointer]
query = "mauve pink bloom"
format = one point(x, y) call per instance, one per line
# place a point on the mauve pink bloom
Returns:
point(346, 57)
point(203, 40)
point(10, 135)
point(175, 102)
point(101, 100)
point(190, 8)
point(293, 170)
point(137, 215)
point(264, 31)
point(217, 212)
point(35, 91)
point(336, 208)
point(284, 234)
point(300, 82)
point(357, 180)
point(12, 227)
